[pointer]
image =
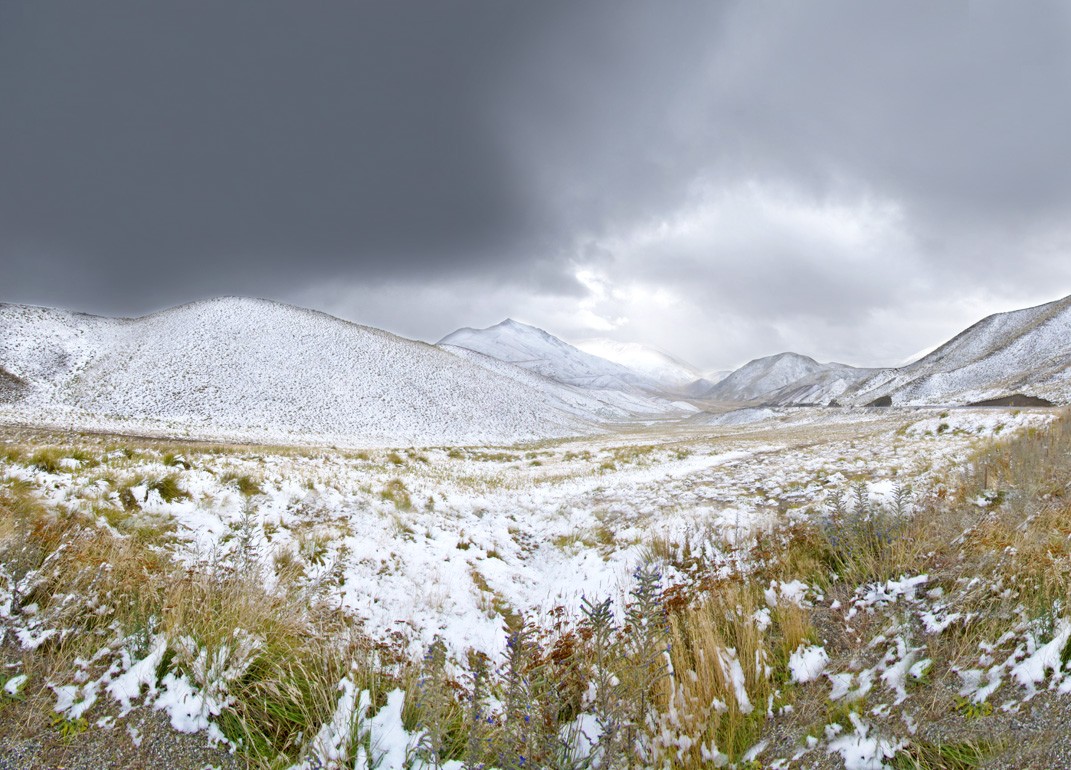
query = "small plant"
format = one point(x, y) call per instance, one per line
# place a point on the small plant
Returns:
point(437, 709)
point(11, 688)
point(970, 709)
point(12, 455)
point(69, 728)
point(313, 549)
point(173, 460)
point(925, 755)
point(129, 501)
point(842, 712)
point(54, 460)
point(287, 566)
point(863, 539)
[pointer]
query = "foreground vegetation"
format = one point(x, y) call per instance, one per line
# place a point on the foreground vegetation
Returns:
point(860, 630)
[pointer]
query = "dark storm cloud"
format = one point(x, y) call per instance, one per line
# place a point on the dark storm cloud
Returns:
point(169, 149)
point(773, 165)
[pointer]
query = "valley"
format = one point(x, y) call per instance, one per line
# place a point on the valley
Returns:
point(420, 548)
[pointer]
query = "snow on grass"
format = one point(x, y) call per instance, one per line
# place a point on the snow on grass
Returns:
point(807, 663)
point(482, 532)
point(861, 749)
point(13, 686)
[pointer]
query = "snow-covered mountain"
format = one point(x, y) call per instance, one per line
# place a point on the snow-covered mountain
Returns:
point(256, 370)
point(758, 379)
point(259, 370)
point(1024, 352)
point(606, 404)
point(669, 372)
point(540, 352)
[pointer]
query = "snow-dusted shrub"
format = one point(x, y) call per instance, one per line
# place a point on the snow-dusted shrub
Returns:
point(865, 538)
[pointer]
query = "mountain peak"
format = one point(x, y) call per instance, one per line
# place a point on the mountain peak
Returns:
point(787, 355)
point(762, 376)
point(520, 327)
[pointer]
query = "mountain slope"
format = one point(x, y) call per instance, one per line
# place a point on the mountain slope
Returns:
point(536, 350)
point(1024, 350)
point(261, 370)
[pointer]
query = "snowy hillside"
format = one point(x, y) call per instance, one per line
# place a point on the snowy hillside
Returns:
point(667, 371)
point(717, 375)
point(543, 353)
point(826, 387)
point(1022, 352)
point(756, 380)
point(258, 370)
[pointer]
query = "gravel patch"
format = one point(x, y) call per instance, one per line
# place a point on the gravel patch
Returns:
point(114, 747)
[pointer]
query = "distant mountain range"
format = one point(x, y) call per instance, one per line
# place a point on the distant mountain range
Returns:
point(757, 379)
point(599, 364)
point(533, 349)
point(248, 369)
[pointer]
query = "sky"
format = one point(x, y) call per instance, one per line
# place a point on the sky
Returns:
point(721, 180)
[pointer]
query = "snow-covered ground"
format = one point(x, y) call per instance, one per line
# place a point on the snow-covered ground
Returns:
point(442, 541)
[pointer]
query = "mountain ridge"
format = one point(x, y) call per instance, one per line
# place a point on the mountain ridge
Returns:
point(539, 351)
point(760, 377)
point(1025, 351)
point(668, 371)
point(254, 369)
